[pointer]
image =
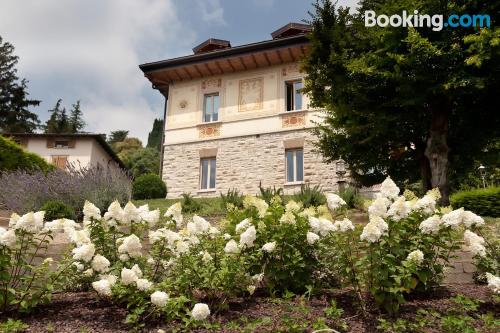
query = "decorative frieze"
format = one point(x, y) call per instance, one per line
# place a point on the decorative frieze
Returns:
point(208, 130)
point(297, 119)
point(211, 84)
point(251, 94)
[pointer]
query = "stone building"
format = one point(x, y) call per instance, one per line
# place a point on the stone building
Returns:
point(235, 118)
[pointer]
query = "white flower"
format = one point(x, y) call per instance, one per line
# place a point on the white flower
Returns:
point(48, 261)
point(231, 247)
point(287, 218)
point(426, 204)
point(143, 284)
point(334, 201)
point(89, 272)
point(200, 311)
point(91, 211)
point(30, 222)
point(79, 266)
point(13, 220)
point(131, 245)
point(115, 212)
point(175, 211)
point(227, 236)
point(242, 226)
point(453, 219)
point(198, 226)
point(389, 189)
point(130, 214)
point(379, 207)
point(399, 209)
point(110, 277)
point(269, 247)
point(477, 249)
point(258, 203)
point(159, 298)
point(343, 225)
point(251, 289)
point(128, 276)
point(206, 257)
point(78, 237)
point(475, 243)
point(292, 206)
point(314, 223)
point(416, 257)
point(61, 225)
point(103, 287)
point(380, 223)
point(181, 247)
point(151, 217)
point(8, 238)
point(84, 252)
point(248, 237)
point(371, 233)
point(124, 257)
point(470, 219)
point(493, 282)
point(100, 264)
point(430, 225)
point(258, 277)
point(312, 237)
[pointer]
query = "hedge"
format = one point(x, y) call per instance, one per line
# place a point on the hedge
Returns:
point(14, 157)
point(148, 186)
point(484, 202)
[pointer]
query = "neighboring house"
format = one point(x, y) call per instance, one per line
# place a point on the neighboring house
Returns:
point(79, 150)
point(236, 117)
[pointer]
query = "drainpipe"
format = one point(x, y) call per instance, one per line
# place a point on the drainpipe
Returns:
point(162, 147)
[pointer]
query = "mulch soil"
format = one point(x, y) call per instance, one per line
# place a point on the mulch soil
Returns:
point(83, 312)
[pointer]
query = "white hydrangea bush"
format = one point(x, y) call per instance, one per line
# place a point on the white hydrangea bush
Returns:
point(27, 275)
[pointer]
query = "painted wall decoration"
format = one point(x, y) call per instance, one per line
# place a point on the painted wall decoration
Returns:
point(293, 120)
point(209, 131)
point(251, 94)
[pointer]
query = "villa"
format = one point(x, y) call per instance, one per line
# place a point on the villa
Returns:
point(235, 117)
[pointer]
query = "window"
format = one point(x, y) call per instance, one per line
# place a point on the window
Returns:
point(59, 144)
point(294, 165)
point(207, 170)
point(211, 108)
point(294, 95)
point(60, 161)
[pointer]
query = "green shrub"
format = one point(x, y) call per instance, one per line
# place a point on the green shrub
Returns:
point(351, 197)
point(232, 197)
point(148, 186)
point(14, 157)
point(310, 196)
point(190, 204)
point(484, 202)
point(55, 209)
point(267, 193)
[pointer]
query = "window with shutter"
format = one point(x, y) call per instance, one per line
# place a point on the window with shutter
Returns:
point(60, 161)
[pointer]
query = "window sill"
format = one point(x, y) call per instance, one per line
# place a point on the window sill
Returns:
point(207, 190)
point(292, 112)
point(294, 183)
point(208, 123)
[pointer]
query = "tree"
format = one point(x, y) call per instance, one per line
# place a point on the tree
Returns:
point(403, 100)
point(117, 136)
point(155, 136)
point(76, 122)
point(15, 116)
point(127, 147)
point(142, 161)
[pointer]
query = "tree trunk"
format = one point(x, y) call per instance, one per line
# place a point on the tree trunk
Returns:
point(425, 170)
point(437, 152)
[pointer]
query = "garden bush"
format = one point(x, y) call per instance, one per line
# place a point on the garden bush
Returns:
point(485, 202)
point(56, 209)
point(190, 204)
point(24, 191)
point(14, 157)
point(233, 197)
point(148, 186)
point(310, 196)
point(267, 193)
point(351, 197)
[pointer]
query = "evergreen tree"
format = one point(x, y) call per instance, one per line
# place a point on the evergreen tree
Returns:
point(15, 116)
point(76, 122)
point(63, 124)
point(117, 136)
point(52, 125)
point(155, 136)
point(408, 102)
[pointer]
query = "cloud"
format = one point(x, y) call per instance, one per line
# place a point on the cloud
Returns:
point(212, 12)
point(90, 50)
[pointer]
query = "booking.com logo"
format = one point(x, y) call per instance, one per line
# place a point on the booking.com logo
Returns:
point(436, 22)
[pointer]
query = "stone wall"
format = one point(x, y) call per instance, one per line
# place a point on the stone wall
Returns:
point(243, 162)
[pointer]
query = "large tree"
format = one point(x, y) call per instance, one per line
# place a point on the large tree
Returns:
point(15, 116)
point(76, 122)
point(60, 122)
point(155, 136)
point(409, 102)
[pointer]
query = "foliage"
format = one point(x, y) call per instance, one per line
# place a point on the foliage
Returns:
point(27, 279)
point(233, 197)
point(155, 136)
point(127, 147)
point(485, 202)
point(143, 161)
point(24, 191)
point(148, 186)
point(310, 196)
point(15, 116)
point(439, 90)
point(14, 157)
point(117, 136)
point(13, 326)
point(55, 209)
point(267, 193)
point(190, 204)
point(60, 122)
point(351, 197)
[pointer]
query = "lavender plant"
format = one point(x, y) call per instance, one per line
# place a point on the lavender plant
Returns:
point(24, 191)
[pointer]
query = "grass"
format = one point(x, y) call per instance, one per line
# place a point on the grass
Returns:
point(210, 207)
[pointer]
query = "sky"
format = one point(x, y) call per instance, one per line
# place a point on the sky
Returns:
point(89, 50)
